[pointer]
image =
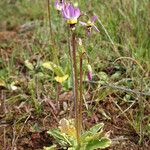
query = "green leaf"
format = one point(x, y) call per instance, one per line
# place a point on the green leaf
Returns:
point(60, 137)
point(56, 134)
point(95, 144)
point(103, 76)
point(67, 84)
point(67, 68)
point(28, 65)
point(97, 128)
point(116, 75)
point(103, 94)
point(62, 78)
point(47, 65)
point(53, 67)
point(53, 147)
point(93, 130)
point(89, 135)
point(2, 83)
point(71, 148)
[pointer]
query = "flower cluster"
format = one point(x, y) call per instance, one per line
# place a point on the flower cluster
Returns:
point(72, 14)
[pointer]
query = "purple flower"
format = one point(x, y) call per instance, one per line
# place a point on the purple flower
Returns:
point(89, 72)
point(71, 14)
point(59, 4)
point(90, 24)
point(89, 76)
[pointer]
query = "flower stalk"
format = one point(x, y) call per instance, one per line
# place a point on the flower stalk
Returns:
point(81, 91)
point(71, 15)
point(77, 118)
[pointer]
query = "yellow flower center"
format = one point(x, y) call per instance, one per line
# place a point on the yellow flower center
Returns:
point(89, 24)
point(72, 21)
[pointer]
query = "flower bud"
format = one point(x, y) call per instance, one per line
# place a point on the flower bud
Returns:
point(89, 72)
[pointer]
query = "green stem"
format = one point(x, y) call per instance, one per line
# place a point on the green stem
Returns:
point(76, 87)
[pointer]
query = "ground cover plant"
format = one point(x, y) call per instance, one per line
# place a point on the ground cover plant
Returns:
point(40, 88)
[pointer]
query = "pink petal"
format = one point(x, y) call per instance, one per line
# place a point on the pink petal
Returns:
point(95, 28)
point(83, 23)
point(94, 18)
point(77, 12)
point(71, 11)
point(65, 11)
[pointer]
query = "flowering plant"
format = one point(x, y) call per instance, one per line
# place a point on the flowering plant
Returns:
point(92, 139)
point(69, 134)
